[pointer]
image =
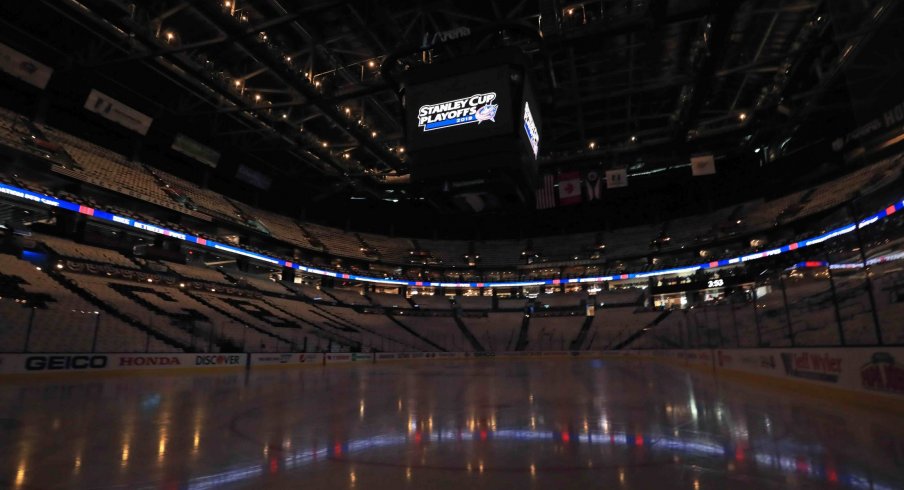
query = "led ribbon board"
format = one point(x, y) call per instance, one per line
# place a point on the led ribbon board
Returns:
point(53, 202)
point(466, 110)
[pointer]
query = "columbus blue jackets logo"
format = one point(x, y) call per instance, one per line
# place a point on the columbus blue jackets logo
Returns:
point(486, 113)
point(477, 108)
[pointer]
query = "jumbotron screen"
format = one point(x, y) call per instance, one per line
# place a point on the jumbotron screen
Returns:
point(463, 108)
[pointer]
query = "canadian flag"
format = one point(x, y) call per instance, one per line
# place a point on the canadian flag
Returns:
point(569, 188)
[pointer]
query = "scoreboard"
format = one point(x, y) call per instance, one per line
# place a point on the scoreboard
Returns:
point(460, 109)
point(473, 130)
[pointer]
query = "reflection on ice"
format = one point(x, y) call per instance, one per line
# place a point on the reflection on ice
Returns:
point(690, 445)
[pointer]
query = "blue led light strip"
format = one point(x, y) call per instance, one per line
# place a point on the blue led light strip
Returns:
point(53, 202)
point(882, 259)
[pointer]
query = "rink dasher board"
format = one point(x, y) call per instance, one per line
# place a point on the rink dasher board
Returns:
point(307, 359)
point(285, 359)
point(859, 372)
point(96, 363)
point(88, 363)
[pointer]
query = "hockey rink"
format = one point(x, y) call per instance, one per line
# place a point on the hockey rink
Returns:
point(459, 424)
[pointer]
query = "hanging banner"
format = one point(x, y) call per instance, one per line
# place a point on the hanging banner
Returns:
point(253, 177)
point(197, 151)
point(546, 194)
point(616, 178)
point(24, 68)
point(116, 111)
point(593, 186)
point(703, 165)
point(569, 188)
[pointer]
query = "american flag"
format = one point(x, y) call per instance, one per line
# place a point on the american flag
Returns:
point(546, 194)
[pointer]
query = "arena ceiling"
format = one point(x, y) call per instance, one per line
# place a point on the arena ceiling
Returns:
point(305, 91)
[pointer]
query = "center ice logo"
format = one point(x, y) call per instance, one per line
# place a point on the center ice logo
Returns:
point(466, 110)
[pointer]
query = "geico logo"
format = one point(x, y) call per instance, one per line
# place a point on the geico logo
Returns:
point(40, 363)
point(216, 360)
point(150, 361)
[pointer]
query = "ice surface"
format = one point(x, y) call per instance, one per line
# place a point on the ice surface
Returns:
point(456, 425)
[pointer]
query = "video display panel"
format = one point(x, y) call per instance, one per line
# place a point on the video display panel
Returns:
point(531, 119)
point(458, 109)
